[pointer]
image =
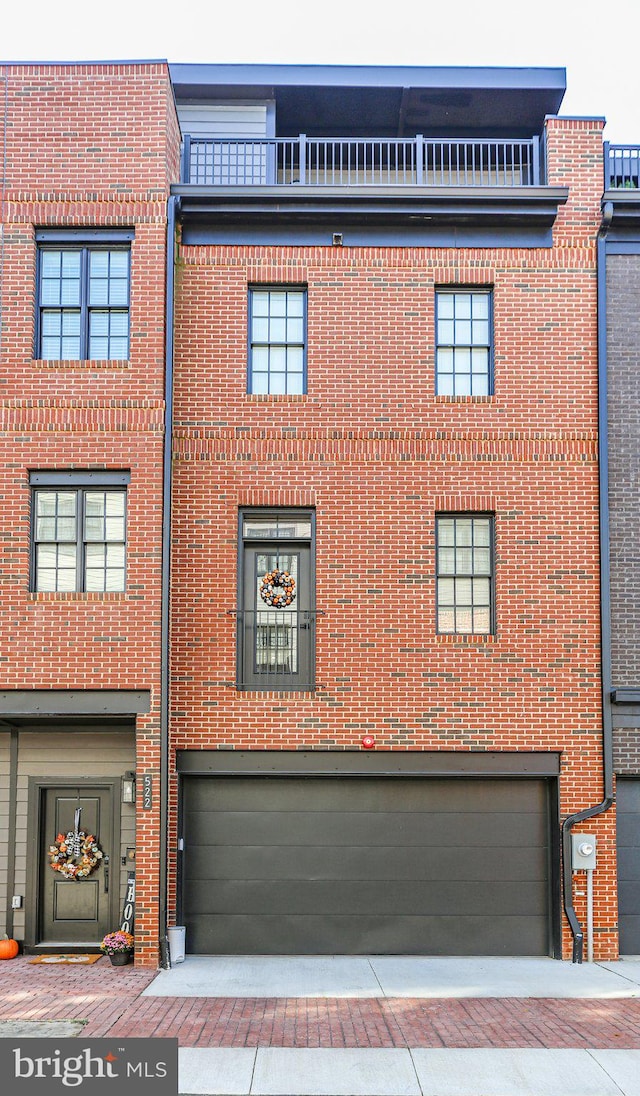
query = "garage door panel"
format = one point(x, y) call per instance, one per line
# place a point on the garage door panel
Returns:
point(628, 840)
point(359, 897)
point(376, 794)
point(382, 863)
point(334, 865)
point(404, 828)
point(629, 863)
point(418, 936)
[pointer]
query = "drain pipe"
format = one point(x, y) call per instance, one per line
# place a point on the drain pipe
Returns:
point(166, 582)
point(605, 599)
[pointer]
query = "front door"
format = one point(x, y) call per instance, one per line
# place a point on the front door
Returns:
point(75, 911)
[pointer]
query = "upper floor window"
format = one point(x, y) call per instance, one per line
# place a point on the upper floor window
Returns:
point(83, 298)
point(79, 531)
point(276, 618)
point(277, 341)
point(463, 342)
point(465, 573)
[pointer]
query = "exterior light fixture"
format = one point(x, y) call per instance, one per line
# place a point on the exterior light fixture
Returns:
point(129, 787)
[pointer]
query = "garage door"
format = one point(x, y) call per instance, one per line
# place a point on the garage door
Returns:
point(371, 865)
point(628, 807)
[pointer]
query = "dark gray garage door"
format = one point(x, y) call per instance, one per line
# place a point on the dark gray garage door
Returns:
point(348, 865)
point(628, 806)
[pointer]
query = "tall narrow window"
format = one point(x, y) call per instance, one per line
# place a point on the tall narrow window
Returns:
point(79, 532)
point(276, 619)
point(277, 338)
point(464, 549)
point(83, 302)
point(463, 342)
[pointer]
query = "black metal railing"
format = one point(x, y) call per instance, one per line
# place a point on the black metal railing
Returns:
point(276, 645)
point(361, 162)
point(621, 167)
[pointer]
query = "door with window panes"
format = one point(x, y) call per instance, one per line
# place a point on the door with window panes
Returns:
point(276, 641)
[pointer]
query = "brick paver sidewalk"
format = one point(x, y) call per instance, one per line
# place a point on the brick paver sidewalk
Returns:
point(109, 1000)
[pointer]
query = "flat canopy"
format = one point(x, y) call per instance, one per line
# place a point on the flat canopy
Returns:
point(369, 100)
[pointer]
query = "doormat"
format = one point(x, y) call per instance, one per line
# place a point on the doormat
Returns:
point(49, 960)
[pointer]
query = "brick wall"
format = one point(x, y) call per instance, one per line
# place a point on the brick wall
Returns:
point(378, 454)
point(623, 358)
point(87, 145)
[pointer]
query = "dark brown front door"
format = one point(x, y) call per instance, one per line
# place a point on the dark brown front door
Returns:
point(73, 911)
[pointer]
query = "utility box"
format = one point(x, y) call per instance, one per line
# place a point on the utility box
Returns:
point(583, 851)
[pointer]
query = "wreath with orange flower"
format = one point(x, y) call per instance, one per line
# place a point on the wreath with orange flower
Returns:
point(277, 589)
point(75, 854)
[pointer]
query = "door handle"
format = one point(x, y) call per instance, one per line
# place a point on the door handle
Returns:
point(106, 874)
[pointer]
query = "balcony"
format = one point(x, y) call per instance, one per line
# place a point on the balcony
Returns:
point(361, 162)
point(622, 167)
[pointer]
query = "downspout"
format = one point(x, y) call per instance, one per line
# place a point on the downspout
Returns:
point(166, 582)
point(605, 597)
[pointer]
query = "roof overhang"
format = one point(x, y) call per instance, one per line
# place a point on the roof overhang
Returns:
point(337, 100)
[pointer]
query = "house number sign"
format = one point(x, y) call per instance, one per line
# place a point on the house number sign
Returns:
point(147, 790)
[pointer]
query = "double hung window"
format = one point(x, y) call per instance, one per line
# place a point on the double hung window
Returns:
point(277, 341)
point(83, 299)
point(465, 573)
point(79, 531)
point(463, 342)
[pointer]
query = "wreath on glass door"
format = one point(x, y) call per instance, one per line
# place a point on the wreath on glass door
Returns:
point(277, 589)
point(75, 854)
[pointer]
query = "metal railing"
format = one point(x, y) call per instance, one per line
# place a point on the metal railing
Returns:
point(621, 167)
point(361, 162)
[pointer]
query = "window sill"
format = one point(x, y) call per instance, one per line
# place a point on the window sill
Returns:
point(277, 397)
point(81, 363)
point(466, 638)
point(464, 399)
point(78, 595)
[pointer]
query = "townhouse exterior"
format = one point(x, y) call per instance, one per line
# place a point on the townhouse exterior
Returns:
point(301, 515)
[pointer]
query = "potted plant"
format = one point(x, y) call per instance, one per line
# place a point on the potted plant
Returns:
point(119, 947)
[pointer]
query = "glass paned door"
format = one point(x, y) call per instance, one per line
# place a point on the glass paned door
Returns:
point(277, 640)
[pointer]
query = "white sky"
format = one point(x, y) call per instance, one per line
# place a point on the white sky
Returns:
point(597, 45)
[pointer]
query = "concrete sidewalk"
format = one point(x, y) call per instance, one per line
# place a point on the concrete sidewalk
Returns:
point(325, 1072)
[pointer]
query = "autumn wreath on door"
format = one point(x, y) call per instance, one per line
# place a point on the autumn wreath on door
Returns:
point(75, 854)
point(277, 589)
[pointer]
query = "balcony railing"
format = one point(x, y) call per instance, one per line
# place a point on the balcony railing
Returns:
point(622, 167)
point(361, 162)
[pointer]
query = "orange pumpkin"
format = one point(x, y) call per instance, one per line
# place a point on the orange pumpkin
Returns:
point(8, 949)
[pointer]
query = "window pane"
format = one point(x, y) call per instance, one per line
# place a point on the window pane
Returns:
point(481, 621)
point(481, 306)
point(278, 359)
point(481, 530)
point(71, 261)
point(295, 330)
point(290, 528)
point(446, 591)
point(463, 306)
point(482, 560)
point(445, 306)
point(464, 531)
point(260, 303)
point(446, 620)
point(445, 384)
point(114, 529)
point(295, 304)
point(446, 561)
point(464, 620)
point(295, 385)
point(278, 304)
point(260, 330)
point(445, 331)
point(463, 591)
point(446, 530)
point(481, 332)
point(464, 561)
point(479, 385)
point(277, 384)
point(462, 332)
point(114, 503)
point(278, 330)
point(260, 383)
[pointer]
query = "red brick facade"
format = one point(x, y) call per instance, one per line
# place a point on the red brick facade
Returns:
point(378, 455)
